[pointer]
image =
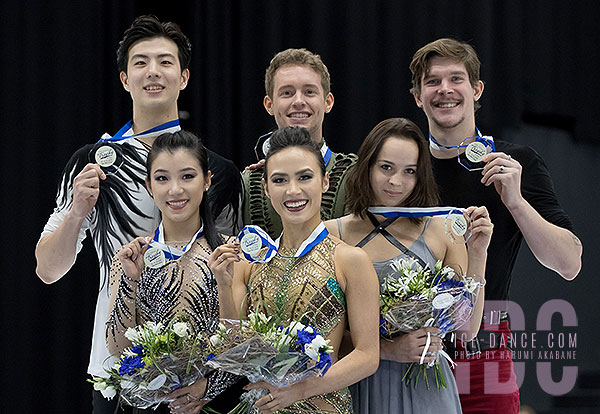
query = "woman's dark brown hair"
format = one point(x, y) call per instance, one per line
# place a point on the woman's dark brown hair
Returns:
point(360, 195)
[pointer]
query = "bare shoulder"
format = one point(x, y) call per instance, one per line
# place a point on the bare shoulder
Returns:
point(333, 226)
point(350, 226)
point(346, 255)
point(437, 230)
point(436, 224)
point(436, 239)
point(354, 270)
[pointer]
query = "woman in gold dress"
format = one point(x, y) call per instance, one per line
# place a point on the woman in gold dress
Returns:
point(329, 285)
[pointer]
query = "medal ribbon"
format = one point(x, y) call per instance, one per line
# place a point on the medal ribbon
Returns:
point(171, 253)
point(124, 132)
point(317, 236)
point(389, 212)
point(489, 141)
point(326, 153)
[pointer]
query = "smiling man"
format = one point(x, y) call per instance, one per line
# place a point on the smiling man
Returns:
point(298, 93)
point(114, 206)
point(514, 184)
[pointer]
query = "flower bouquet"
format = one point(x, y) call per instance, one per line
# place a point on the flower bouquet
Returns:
point(413, 297)
point(280, 355)
point(162, 359)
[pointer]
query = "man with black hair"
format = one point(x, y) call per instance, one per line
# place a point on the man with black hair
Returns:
point(113, 204)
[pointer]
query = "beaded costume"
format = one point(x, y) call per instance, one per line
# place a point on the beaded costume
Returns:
point(303, 289)
point(184, 288)
point(125, 210)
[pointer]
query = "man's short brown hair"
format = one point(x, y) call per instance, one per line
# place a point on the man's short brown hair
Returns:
point(297, 57)
point(446, 48)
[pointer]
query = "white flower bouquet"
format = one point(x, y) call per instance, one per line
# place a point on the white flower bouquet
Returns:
point(163, 358)
point(280, 355)
point(413, 297)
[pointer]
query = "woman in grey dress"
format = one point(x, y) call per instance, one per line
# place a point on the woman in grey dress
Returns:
point(394, 170)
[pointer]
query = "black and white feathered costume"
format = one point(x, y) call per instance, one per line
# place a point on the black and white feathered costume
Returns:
point(125, 210)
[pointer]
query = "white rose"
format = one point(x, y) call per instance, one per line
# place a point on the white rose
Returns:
point(109, 392)
point(296, 326)
point(318, 342)
point(132, 334)
point(181, 329)
point(311, 351)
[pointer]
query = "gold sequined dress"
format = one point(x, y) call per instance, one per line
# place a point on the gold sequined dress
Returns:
point(304, 289)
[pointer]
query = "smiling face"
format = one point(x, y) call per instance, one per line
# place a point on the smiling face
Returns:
point(299, 100)
point(393, 175)
point(447, 96)
point(294, 184)
point(154, 77)
point(177, 185)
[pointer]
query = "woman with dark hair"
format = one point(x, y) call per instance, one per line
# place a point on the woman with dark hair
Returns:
point(394, 170)
point(179, 283)
point(314, 279)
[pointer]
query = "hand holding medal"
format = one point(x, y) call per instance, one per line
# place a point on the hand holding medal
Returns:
point(481, 229)
point(221, 262)
point(132, 257)
point(457, 225)
point(159, 253)
point(108, 156)
point(505, 173)
point(86, 189)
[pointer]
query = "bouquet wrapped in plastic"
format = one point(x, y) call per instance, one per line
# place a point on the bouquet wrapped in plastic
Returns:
point(162, 359)
point(413, 297)
point(278, 354)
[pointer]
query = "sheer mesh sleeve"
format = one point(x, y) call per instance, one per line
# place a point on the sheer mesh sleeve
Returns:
point(122, 312)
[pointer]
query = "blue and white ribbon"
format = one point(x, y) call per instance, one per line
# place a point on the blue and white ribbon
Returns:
point(455, 224)
point(488, 141)
point(252, 238)
point(127, 132)
point(171, 253)
point(326, 153)
point(389, 212)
